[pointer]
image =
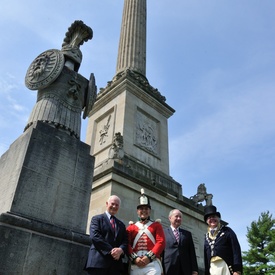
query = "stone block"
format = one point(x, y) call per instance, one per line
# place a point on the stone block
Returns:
point(48, 176)
point(30, 247)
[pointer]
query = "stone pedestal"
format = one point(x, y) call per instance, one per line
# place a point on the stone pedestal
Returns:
point(31, 247)
point(45, 187)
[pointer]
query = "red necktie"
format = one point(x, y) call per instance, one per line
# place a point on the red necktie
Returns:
point(112, 221)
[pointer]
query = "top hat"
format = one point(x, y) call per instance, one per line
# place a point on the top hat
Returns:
point(143, 200)
point(210, 210)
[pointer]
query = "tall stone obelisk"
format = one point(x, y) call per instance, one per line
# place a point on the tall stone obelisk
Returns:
point(128, 134)
point(46, 175)
point(127, 127)
point(129, 105)
point(132, 43)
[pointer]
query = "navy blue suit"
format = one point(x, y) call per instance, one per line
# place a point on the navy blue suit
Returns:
point(103, 241)
point(179, 259)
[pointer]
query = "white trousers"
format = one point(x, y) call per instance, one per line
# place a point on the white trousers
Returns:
point(153, 268)
point(219, 268)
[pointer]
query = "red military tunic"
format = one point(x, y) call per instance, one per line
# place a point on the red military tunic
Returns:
point(151, 239)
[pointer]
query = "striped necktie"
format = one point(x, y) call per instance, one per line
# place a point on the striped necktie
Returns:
point(113, 224)
point(177, 236)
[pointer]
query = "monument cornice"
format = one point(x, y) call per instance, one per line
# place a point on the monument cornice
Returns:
point(140, 173)
point(115, 170)
point(128, 83)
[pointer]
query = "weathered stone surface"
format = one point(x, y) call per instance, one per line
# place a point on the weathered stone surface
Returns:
point(132, 43)
point(50, 180)
point(56, 106)
point(46, 175)
point(62, 93)
point(30, 247)
point(45, 186)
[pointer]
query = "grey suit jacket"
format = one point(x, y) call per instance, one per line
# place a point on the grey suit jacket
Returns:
point(179, 258)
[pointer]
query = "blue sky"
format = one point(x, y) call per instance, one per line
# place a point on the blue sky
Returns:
point(214, 61)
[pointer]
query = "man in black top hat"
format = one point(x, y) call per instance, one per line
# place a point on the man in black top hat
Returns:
point(222, 251)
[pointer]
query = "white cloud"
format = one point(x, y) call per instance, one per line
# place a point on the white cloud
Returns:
point(241, 117)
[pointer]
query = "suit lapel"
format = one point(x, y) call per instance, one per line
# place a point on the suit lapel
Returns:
point(107, 221)
point(172, 234)
point(117, 226)
point(110, 226)
point(180, 234)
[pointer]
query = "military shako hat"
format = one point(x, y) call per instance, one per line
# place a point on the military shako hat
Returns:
point(143, 200)
point(210, 210)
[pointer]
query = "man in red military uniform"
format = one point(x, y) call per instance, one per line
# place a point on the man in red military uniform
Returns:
point(146, 241)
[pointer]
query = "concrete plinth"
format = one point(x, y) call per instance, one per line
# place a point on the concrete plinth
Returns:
point(29, 247)
point(45, 187)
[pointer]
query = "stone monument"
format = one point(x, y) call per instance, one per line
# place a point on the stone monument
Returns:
point(128, 134)
point(46, 174)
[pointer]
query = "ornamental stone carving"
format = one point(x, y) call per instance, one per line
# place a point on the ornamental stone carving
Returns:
point(62, 92)
point(202, 195)
point(116, 150)
point(147, 133)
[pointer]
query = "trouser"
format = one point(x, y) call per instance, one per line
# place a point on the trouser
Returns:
point(219, 267)
point(102, 271)
point(153, 268)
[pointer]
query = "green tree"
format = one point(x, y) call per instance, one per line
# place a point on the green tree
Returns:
point(260, 258)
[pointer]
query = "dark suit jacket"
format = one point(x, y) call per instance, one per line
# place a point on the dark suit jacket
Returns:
point(227, 247)
point(179, 259)
point(104, 240)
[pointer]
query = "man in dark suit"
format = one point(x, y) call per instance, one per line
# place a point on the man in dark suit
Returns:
point(179, 257)
point(109, 241)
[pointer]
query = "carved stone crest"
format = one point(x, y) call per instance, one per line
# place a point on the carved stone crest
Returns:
point(45, 69)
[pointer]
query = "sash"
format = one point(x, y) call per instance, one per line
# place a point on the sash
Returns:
point(143, 228)
point(212, 241)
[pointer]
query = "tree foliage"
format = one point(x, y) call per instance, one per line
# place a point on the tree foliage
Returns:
point(260, 258)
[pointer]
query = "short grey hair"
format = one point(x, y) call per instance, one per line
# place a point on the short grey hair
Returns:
point(114, 197)
point(172, 212)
